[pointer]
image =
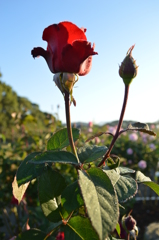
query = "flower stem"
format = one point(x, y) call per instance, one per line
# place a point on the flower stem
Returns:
point(68, 122)
point(128, 236)
point(118, 128)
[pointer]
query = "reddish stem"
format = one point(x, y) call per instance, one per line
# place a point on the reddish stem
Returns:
point(68, 122)
point(118, 128)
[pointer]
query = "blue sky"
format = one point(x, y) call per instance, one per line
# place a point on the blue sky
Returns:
point(114, 26)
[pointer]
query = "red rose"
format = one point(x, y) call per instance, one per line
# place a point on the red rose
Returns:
point(68, 49)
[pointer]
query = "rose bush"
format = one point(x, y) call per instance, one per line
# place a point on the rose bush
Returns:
point(68, 49)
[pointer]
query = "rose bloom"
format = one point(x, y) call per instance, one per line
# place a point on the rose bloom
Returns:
point(144, 138)
point(90, 124)
point(97, 140)
point(142, 164)
point(129, 151)
point(151, 138)
point(68, 50)
point(112, 129)
point(152, 146)
point(152, 126)
point(90, 130)
point(133, 137)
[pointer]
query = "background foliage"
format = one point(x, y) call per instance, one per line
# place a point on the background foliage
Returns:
point(25, 129)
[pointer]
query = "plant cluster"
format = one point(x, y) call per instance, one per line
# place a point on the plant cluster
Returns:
point(88, 207)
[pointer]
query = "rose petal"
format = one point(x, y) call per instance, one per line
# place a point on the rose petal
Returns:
point(58, 36)
point(67, 49)
point(39, 51)
point(73, 56)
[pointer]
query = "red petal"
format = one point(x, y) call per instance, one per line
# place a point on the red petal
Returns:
point(67, 50)
point(36, 52)
point(76, 57)
point(58, 36)
point(85, 67)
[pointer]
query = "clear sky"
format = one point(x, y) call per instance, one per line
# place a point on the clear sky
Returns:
point(113, 26)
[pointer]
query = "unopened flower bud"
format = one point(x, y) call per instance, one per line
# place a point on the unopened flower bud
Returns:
point(128, 68)
point(128, 223)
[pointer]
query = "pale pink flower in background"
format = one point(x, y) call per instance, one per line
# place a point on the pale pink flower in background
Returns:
point(152, 146)
point(144, 138)
point(152, 126)
point(133, 137)
point(90, 124)
point(90, 130)
point(129, 151)
point(151, 137)
point(112, 129)
point(97, 140)
point(142, 164)
point(129, 161)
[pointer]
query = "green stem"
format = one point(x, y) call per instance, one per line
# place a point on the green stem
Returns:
point(128, 236)
point(68, 122)
point(118, 128)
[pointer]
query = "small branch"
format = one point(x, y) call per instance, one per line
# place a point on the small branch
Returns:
point(119, 126)
point(68, 122)
point(66, 221)
point(122, 131)
point(98, 135)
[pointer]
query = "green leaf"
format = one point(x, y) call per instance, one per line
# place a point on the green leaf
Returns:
point(79, 228)
point(51, 185)
point(141, 127)
point(118, 229)
point(71, 197)
point(91, 153)
point(18, 192)
point(54, 157)
point(153, 186)
point(60, 139)
point(52, 227)
point(121, 170)
point(100, 200)
point(125, 186)
point(32, 234)
point(140, 177)
point(27, 172)
point(124, 170)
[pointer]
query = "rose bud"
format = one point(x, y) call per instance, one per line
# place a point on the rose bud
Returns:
point(60, 236)
point(128, 68)
point(68, 54)
point(128, 223)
